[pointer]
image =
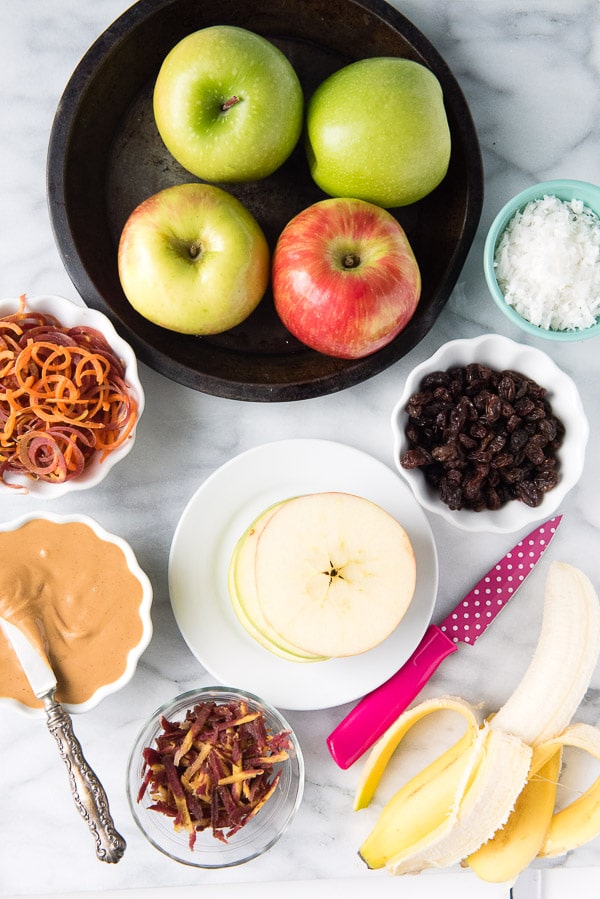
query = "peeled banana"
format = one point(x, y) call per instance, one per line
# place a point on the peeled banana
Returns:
point(488, 801)
point(563, 662)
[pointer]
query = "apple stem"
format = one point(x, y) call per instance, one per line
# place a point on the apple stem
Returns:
point(351, 260)
point(229, 103)
point(194, 250)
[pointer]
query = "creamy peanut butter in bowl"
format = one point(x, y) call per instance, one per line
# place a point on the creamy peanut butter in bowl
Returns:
point(79, 594)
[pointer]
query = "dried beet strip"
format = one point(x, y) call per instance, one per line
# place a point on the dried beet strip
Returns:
point(213, 770)
point(483, 438)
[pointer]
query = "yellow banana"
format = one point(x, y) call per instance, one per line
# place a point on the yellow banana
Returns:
point(579, 822)
point(514, 846)
point(563, 662)
point(489, 799)
point(385, 747)
point(501, 764)
point(428, 799)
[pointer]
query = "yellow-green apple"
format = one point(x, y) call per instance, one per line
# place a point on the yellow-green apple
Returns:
point(193, 259)
point(377, 129)
point(335, 573)
point(345, 279)
point(228, 104)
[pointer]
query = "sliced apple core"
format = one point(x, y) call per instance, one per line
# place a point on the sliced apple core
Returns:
point(244, 600)
point(335, 573)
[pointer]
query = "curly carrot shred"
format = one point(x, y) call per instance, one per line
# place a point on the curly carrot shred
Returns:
point(63, 397)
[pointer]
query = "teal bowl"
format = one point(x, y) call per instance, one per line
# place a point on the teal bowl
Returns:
point(564, 190)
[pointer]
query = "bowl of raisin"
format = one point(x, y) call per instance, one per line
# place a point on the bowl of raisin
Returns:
point(490, 434)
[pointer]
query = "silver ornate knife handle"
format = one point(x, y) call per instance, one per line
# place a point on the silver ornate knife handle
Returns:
point(88, 793)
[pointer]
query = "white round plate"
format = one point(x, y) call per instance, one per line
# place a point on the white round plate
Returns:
point(220, 510)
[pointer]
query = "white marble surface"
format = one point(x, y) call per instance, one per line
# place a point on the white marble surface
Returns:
point(531, 74)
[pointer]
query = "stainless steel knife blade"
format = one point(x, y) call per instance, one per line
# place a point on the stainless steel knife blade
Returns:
point(37, 670)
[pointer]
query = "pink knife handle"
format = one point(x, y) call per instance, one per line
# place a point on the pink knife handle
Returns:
point(371, 717)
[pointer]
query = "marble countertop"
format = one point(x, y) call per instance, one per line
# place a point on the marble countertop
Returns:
point(531, 74)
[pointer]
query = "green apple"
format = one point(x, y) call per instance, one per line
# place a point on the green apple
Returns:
point(193, 259)
point(377, 130)
point(228, 104)
point(335, 573)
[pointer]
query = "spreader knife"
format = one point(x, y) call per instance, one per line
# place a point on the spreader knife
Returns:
point(368, 720)
point(88, 793)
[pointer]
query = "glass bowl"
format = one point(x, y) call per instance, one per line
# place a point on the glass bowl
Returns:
point(260, 833)
point(563, 189)
point(500, 353)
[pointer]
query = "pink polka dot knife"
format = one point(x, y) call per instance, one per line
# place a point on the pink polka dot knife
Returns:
point(371, 717)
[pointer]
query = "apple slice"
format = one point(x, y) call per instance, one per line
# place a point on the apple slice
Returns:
point(335, 573)
point(243, 596)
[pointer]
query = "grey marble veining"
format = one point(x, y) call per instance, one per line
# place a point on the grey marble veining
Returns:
point(531, 74)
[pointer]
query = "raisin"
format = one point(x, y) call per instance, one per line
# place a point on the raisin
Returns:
point(506, 387)
point(415, 458)
point(529, 493)
point(451, 494)
point(524, 405)
point(502, 460)
point(518, 440)
point(446, 453)
point(493, 408)
point(497, 443)
point(435, 379)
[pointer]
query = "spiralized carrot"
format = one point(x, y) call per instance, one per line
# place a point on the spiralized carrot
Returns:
point(63, 397)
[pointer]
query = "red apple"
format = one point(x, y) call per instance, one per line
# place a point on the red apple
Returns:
point(345, 279)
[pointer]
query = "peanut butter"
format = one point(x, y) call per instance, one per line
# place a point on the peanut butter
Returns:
point(75, 597)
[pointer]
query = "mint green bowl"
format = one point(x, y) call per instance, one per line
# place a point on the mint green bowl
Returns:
point(564, 190)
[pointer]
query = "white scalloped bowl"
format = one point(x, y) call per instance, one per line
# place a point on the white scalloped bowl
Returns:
point(69, 314)
point(500, 353)
point(133, 655)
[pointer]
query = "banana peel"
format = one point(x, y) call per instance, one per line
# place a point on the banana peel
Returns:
point(488, 801)
point(428, 800)
point(385, 747)
point(579, 822)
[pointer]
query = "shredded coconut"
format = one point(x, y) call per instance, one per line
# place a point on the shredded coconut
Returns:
point(548, 264)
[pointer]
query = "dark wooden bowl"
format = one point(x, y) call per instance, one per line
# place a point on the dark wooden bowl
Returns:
point(105, 156)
